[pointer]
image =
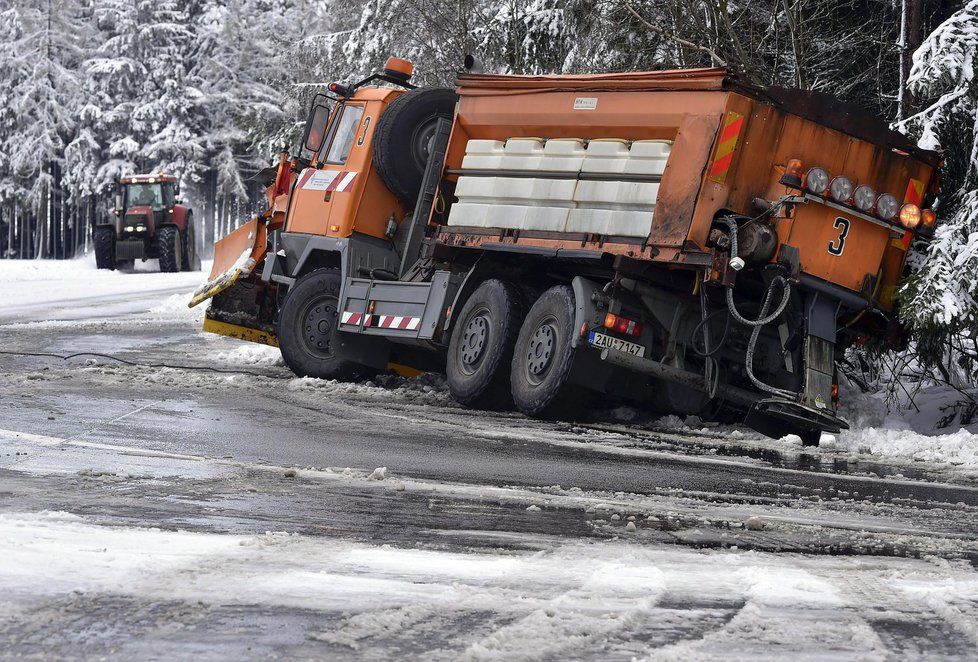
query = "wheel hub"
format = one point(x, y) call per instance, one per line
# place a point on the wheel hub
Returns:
point(541, 349)
point(317, 327)
point(474, 339)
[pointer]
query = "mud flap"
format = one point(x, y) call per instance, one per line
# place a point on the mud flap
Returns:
point(235, 256)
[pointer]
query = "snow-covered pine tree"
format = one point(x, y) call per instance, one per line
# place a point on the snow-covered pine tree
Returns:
point(940, 300)
point(114, 77)
point(169, 110)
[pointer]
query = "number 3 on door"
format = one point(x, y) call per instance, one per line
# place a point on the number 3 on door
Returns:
point(836, 246)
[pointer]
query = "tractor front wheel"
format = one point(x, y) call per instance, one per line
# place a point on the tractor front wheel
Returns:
point(170, 247)
point(104, 241)
point(307, 329)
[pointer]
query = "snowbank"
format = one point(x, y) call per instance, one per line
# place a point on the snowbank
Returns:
point(34, 290)
point(251, 354)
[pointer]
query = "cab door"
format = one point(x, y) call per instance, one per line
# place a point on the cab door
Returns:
point(317, 186)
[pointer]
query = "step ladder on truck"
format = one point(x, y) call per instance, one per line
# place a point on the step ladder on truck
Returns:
point(677, 239)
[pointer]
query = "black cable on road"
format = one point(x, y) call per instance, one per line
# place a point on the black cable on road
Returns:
point(193, 368)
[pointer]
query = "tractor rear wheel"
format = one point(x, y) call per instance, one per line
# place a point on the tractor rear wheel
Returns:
point(190, 260)
point(544, 358)
point(307, 328)
point(481, 347)
point(104, 241)
point(403, 137)
point(169, 244)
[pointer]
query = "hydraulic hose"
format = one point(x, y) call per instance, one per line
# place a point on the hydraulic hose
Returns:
point(762, 319)
point(751, 344)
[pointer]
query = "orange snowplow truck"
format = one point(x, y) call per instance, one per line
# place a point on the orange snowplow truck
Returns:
point(677, 239)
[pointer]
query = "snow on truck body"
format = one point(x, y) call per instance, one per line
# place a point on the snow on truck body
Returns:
point(675, 238)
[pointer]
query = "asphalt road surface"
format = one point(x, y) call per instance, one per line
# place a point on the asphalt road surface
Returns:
point(219, 508)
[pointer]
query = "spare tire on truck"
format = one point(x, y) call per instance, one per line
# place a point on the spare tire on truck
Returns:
point(403, 136)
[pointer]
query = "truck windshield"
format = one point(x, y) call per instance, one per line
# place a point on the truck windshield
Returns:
point(144, 194)
point(346, 130)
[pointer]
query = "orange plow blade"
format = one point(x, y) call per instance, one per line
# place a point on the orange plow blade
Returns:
point(235, 256)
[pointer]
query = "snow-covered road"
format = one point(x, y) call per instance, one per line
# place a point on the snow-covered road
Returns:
point(160, 512)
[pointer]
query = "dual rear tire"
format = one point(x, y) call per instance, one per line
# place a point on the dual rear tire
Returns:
point(499, 357)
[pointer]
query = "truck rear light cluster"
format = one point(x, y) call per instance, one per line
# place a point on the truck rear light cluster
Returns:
point(620, 324)
point(817, 181)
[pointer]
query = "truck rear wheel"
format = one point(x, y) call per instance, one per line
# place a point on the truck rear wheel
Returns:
point(307, 327)
point(170, 247)
point(403, 136)
point(104, 241)
point(543, 357)
point(480, 350)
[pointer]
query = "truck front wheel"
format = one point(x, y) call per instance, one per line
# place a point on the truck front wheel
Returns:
point(480, 350)
point(104, 241)
point(543, 358)
point(307, 326)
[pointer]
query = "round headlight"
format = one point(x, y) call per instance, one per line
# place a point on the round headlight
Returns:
point(887, 206)
point(863, 197)
point(817, 181)
point(910, 215)
point(841, 189)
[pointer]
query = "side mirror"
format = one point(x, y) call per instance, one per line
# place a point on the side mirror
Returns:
point(118, 201)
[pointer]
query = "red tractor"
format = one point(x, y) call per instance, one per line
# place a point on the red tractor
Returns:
point(149, 223)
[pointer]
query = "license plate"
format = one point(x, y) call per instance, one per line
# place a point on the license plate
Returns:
point(617, 344)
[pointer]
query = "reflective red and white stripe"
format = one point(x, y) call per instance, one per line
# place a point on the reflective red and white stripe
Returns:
point(383, 321)
point(326, 180)
point(396, 322)
point(353, 318)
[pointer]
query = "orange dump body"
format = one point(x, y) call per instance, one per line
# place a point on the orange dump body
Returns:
point(731, 145)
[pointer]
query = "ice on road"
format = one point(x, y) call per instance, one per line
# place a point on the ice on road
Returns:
point(602, 599)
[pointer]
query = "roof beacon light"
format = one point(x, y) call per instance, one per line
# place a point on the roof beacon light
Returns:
point(910, 215)
point(864, 197)
point(792, 173)
point(339, 89)
point(841, 189)
point(399, 69)
point(817, 181)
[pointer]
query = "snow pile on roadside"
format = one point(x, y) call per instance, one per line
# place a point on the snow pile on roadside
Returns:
point(34, 287)
point(174, 307)
point(252, 354)
point(958, 448)
point(921, 436)
point(425, 389)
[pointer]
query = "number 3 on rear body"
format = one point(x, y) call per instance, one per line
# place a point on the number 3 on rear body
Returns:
point(836, 246)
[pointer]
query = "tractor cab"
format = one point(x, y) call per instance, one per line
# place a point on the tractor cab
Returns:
point(143, 203)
